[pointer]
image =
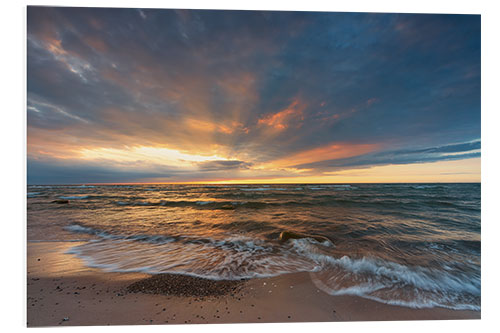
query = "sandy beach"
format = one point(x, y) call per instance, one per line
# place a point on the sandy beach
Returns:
point(265, 165)
point(62, 291)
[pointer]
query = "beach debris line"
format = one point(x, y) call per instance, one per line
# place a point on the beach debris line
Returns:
point(185, 285)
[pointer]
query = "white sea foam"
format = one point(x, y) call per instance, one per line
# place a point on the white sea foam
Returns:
point(202, 203)
point(231, 258)
point(420, 277)
point(427, 304)
point(76, 228)
point(379, 292)
point(236, 257)
point(423, 187)
point(79, 228)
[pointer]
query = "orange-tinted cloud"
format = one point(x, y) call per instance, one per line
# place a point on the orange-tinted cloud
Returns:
point(284, 118)
point(241, 86)
point(328, 152)
point(96, 43)
point(198, 125)
point(439, 172)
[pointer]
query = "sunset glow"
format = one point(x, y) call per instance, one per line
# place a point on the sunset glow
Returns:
point(146, 154)
point(177, 96)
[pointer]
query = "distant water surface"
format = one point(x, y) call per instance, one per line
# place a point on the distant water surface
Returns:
point(416, 245)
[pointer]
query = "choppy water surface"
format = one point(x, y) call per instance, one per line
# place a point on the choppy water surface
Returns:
point(416, 245)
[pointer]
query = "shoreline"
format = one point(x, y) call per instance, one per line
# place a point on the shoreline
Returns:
point(61, 291)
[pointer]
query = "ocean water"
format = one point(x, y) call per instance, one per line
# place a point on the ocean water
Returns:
point(415, 245)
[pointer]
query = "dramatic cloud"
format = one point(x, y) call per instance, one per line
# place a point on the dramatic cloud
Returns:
point(223, 165)
point(119, 95)
point(444, 153)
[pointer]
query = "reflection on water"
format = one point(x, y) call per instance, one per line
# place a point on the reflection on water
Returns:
point(410, 244)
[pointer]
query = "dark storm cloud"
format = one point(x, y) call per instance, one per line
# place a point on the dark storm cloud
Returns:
point(455, 148)
point(74, 172)
point(53, 171)
point(258, 86)
point(222, 165)
point(432, 154)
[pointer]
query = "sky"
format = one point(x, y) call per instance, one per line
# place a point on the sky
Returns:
point(200, 96)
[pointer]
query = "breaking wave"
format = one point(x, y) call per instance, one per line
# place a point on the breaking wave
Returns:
point(238, 257)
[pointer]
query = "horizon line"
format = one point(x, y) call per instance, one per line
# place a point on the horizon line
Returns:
point(210, 183)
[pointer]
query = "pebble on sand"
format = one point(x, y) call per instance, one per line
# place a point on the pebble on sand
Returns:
point(183, 285)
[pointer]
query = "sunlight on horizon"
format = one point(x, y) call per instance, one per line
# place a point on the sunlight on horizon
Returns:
point(461, 171)
point(152, 155)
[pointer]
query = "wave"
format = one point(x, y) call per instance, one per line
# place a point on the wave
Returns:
point(309, 187)
point(76, 228)
point(209, 204)
point(424, 187)
point(75, 197)
point(318, 200)
point(47, 186)
point(57, 240)
point(263, 189)
point(205, 202)
point(154, 239)
point(342, 187)
point(233, 258)
point(61, 186)
point(420, 277)
point(381, 293)
point(241, 256)
point(180, 203)
point(397, 284)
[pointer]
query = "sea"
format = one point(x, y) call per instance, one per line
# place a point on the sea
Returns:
point(413, 245)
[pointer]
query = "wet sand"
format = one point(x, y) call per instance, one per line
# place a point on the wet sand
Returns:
point(64, 292)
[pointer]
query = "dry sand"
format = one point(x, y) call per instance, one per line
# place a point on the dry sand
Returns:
point(62, 291)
